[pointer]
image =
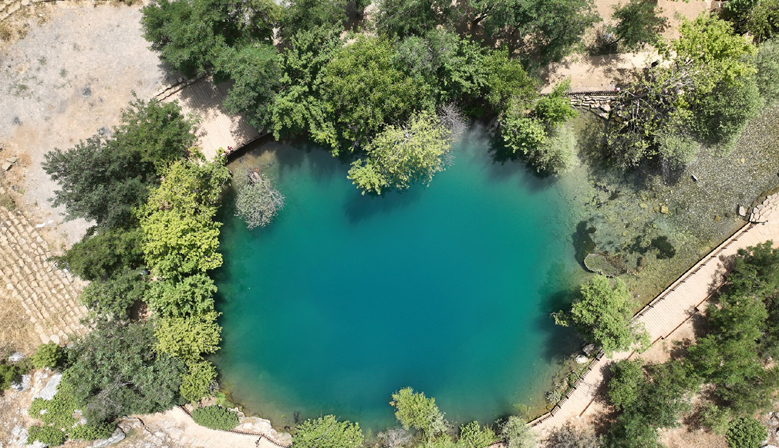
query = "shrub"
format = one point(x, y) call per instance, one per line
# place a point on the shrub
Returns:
point(46, 435)
point(215, 417)
point(517, 434)
point(558, 153)
point(48, 355)
point(328, 432)
point(92, 432)
point(715, 418)
point(8, 373)
point(746, 433)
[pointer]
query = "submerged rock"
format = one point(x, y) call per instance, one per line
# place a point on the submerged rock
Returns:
point(601, 263)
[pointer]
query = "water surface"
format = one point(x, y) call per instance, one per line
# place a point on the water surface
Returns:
point(346, 298)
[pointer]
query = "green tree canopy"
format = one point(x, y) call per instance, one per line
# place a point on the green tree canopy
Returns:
point(547, 29)
point(255, 70)
point(602, 315)
point(115, 371)
point(638, 23)
point(400, 156)
point(181, 236)
point(104, 179)
point(414, 410)
point(188, 338)
point(327, 432)
point(363, 90)
point(401, 18)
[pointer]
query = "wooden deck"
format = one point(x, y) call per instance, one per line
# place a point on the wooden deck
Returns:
point(217, 128)
point(668, 311)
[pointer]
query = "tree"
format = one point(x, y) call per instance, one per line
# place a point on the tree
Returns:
point(199, 381)
point(401, 156)
point(763, 21)
point(709, 64)
point(257, 202)
point(302, 15)
point(104, 179)
point(569, 437)
point(453, 69)
point(47, 356)
point(517, 434)
point(547, 29)
point(180, 234)
point(103, 254)
point(363, 90)
point(115, 371)
point(327, 432)
point(188, 338)
point(299, 106)
point(555, 109)
point(113, 296)
point(720, 116)
point(187, 296)
point(746, 433)
point(474, 436)
point(255, 70)
point(191, 35)
point(626, 383)
point(638, 23)
point(602, 315)
point(414, 410)
point(401, 18)
point(508, 84)
point(767, 76)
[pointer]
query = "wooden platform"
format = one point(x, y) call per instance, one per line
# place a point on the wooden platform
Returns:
point(667, 312)
point(217, 128)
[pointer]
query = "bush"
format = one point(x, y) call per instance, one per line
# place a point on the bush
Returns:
point(517, 434)
point(558, 153)
point(46, 435)
point(746, 433)
point(215, 417)
point(8, 373)
point(48, 355)
point(92, 432)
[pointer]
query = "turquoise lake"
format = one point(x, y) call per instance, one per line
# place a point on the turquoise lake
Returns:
point(346, 298)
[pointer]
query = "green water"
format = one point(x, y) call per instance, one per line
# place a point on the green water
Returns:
point(347, 298)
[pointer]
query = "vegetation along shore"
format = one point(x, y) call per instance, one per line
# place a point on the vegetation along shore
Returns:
point(678, 153)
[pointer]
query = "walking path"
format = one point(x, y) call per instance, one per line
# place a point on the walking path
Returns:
point(670, 309)
point(48, 295)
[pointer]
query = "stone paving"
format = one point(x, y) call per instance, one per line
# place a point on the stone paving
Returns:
point(48, 295)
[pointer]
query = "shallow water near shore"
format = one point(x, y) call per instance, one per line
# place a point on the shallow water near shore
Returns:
point(346, 298)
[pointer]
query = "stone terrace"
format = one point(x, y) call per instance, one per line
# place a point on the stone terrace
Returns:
point(48, 295)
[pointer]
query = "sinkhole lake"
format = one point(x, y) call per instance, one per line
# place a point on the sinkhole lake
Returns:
point(346, 298)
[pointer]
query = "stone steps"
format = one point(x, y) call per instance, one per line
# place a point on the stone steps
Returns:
point(48, 295)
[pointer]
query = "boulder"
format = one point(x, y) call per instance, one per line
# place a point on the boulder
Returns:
point(589, 349)
point(48, 391)
point(16, 357)
point(581, 359)
point(742, 211)
point(116, 437)
point(664, 209)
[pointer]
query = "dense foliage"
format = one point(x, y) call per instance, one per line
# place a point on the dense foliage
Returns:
point(602, 315)
point(327, 432)
point(638, 23)
point(47, 356)
point(215, 417)
point(104, 178)
point(746, 433)
point(705, 92)
point(414, 410)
